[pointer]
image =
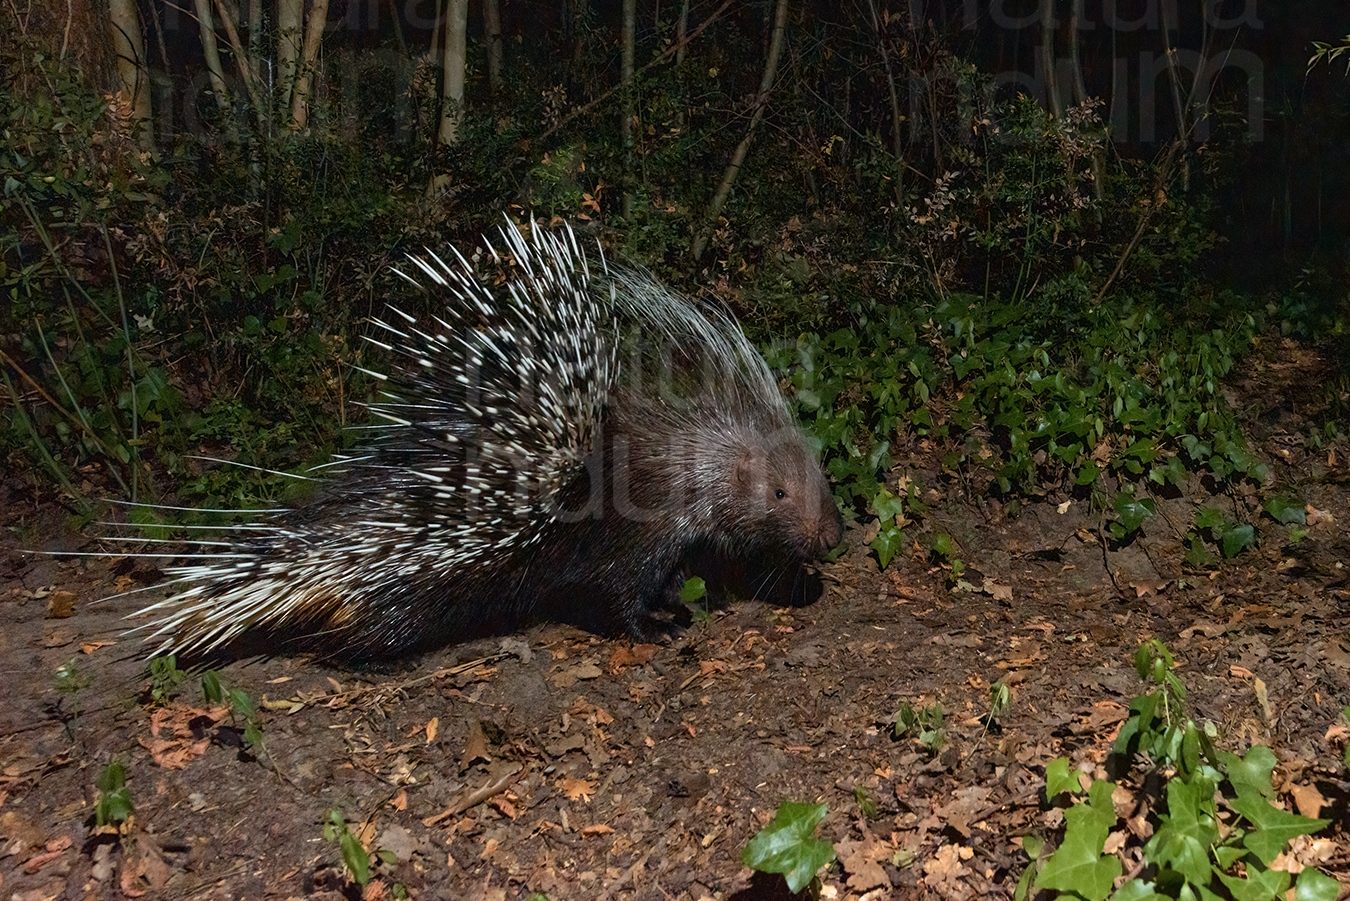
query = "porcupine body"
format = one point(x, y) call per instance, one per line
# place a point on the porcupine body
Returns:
point(559, 442)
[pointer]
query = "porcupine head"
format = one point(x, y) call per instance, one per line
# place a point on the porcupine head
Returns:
point(704, 454)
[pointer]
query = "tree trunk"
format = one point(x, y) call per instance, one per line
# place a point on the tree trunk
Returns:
point(133, 74)
point(290, 15)
point(897, 146)
point(681, 32)
point(255, 34)
point(452, 93)
point(492, 32)
point(738, 158)
point(206, 25)
point(318, 20)
point(229, 17)
point(1048, 58)
point(628, 42)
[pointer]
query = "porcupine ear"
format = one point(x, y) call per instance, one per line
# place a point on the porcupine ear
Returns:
point(750, 472)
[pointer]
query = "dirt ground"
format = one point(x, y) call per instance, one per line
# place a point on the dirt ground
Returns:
point(554, 761)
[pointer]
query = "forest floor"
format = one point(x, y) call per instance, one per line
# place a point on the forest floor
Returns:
point(554, 761)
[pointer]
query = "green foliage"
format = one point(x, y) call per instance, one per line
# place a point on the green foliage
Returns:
point(165, 677)
point(693, 589)
point(1078, 865)
point(1286, 510)
point(70, 679)
point(356, 860)
point(787, 845)
point(866, 806)
point(242, 707)
point(205, 299)
point(1128, 393)
point(1131, 513)
point(1000, 700)
point(1329, 53)
point(1231, 537)
point(113, 806)
point(1215, 831)
point(926, 724)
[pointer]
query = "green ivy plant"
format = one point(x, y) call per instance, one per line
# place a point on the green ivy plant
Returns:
point(787, 845)
point(1215, 831)
point(113, 807)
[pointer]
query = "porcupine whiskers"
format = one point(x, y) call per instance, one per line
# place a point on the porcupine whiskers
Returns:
point(555, 440)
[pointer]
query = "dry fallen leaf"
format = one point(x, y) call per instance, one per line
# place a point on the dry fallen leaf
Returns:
point(578, 789)
point(566, 678)
point(60, 604)
point(475, 745)
point(996, 591)
point(637, 655)
point(1308, 800)
point(433, 725)
point(173, 742)
point(862, 861)
point(943, 869)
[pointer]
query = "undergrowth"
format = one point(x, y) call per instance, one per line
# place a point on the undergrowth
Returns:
point(205, 301)
point(1202, 821)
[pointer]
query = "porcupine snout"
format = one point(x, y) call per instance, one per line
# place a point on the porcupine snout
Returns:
point(780, 473)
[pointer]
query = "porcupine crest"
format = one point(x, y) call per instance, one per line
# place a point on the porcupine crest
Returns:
point(476, 500)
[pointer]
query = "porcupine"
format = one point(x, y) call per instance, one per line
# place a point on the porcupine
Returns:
point(565, 440)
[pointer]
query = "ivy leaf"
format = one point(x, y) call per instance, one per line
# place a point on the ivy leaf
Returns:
point(1257, 885)
point(1314, 885)
point(887, 505)
point(1286, 510)
point(1058, 778)
point(1236, 538)
point(693, 589)
point(786, 846)
point(1208, 518)
point(1138, 890)
point(944, 545)
point(1250, 775)
point(1078, 865)
point(1274, 827)
point(1183, 840)
point(887, 544)
point(1133, 511)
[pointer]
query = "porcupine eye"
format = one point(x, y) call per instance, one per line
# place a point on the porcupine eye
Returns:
point(780, 494)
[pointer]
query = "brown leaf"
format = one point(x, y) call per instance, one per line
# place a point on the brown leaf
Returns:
point(597, 829)
point(475, 745)
point(637, 655)
point(862, 861)
point(943, 869)
point(577, 789)
point(173, 743)
point(1308, 800)
point(505, 807)
point(996, 591)
point(58, 638)
point(60, 604)
point(433, 725)
point(50, 851)
point(566, 678)
point(968, 802)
